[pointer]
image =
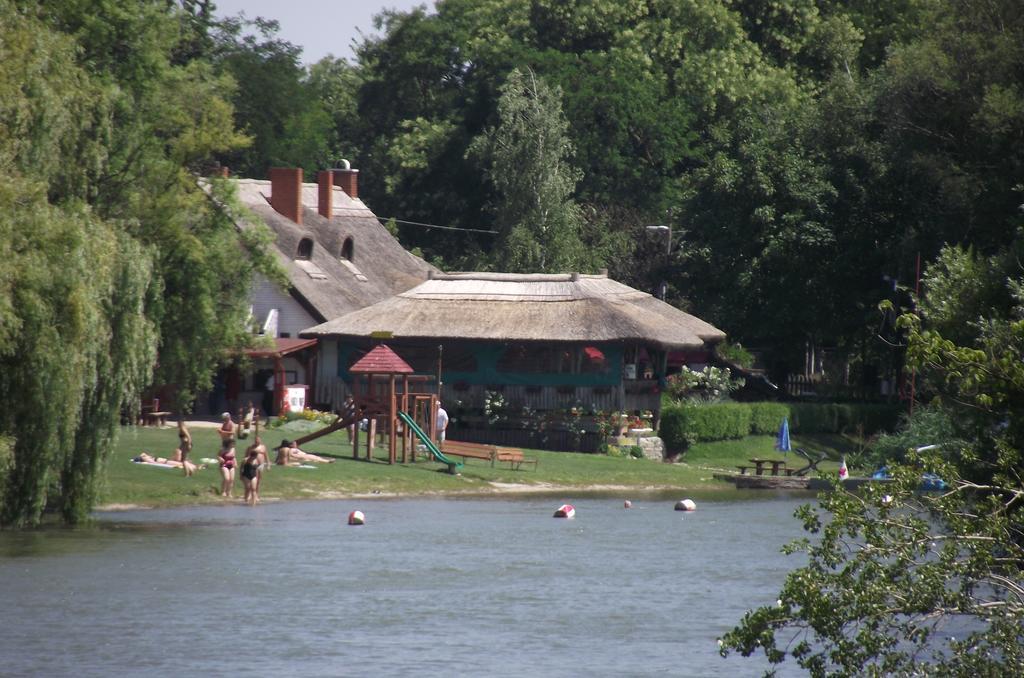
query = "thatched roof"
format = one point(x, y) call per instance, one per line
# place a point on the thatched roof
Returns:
point(328, 285)
point(525, 307)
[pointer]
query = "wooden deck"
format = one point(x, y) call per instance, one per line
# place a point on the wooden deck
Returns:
point(754, 482)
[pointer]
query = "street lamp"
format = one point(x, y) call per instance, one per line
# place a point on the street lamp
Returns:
point(667, 230)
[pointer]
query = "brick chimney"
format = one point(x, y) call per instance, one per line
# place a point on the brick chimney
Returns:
point(286, 192)
point(325, 193)
point(347, 179)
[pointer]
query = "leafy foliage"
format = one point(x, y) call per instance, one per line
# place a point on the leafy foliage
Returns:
point(108, 243)
point(527, 157)
point(711, 384)
point(900, 584)
point(903, 584)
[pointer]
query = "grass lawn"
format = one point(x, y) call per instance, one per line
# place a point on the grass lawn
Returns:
point(140, 485)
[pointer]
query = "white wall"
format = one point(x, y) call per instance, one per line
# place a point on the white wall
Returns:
point(292, 318)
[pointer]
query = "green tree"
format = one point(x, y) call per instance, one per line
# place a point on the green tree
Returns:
point(110, 249)
point(899, 583)
point(527, 159)
point(273, 101)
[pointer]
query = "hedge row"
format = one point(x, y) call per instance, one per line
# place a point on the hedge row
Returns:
point(685, 424)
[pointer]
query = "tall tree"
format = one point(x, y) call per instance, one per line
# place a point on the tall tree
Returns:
point(273, 101)
point(900, 584)
point(111, 250)
point(527, 158)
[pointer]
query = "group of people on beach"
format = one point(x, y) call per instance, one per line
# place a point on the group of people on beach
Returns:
point(253, 465)
point(257, 460)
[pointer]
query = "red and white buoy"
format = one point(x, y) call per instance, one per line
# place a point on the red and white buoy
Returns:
point(627, 504)
point(686, 505)
point(356, 518)
point(844, 472)
point(565, 511)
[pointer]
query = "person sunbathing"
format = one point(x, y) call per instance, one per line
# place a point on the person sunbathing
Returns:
point(289, 454)
point(146, 458)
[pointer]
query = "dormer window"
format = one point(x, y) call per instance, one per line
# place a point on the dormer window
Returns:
point(347, 249)
point(305, 251)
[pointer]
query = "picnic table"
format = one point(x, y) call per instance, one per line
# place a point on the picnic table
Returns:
point(777, 466)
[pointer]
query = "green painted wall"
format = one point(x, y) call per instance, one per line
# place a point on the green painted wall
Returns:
point(487, 356)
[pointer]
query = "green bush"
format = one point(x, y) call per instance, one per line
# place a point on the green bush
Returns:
point(735, 353)
point(766, 417)
point(684, 424)
point(842, 418)
point(675, 429)
point(929, 426)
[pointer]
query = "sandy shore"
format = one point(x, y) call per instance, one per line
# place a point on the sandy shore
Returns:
point(490, 489)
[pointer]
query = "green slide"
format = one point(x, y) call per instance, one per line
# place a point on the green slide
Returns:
point(414, 427)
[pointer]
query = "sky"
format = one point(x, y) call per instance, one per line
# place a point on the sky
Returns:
point(320, 27)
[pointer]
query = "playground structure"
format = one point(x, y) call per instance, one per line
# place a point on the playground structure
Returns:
point(386, 392)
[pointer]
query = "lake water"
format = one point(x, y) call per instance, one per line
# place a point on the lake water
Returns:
point(428, 587)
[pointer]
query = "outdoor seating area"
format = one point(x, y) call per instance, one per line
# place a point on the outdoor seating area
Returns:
point(151, 415)
point(778, 467)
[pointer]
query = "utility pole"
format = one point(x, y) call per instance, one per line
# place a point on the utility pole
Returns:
point(667, 230)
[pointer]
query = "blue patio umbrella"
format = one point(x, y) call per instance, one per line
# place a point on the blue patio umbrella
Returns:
point(782, 440)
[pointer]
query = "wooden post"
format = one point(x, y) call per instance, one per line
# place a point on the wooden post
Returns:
point(393, 420)
point(405, 429)
point(432, 423)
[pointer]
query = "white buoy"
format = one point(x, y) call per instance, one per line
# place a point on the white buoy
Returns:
point(356, 518)
point(627, 504)
point(844, 472)
point(565, 511)
point(686, 505)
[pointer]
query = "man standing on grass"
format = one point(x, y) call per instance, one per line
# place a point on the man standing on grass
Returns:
point(442, 422)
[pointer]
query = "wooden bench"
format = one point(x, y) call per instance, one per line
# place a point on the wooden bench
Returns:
point(513, 456)
point(455, 448)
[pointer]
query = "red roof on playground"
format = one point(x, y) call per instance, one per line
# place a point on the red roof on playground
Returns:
point(381, 360)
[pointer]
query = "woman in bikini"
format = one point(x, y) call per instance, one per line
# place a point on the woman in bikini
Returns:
point(289, 454)
point(184, 447)
point(251, 476)
point(227, 455)
point(146, 458)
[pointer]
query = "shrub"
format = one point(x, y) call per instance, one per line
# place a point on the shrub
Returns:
point(635, 451)
point(842, 417)
point(735, 353)
point(766, 417)
point(928, 426)
point(710, 384)
point(684, 424)
point(675, 430)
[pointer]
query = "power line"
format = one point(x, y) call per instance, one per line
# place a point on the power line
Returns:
point(444, 228)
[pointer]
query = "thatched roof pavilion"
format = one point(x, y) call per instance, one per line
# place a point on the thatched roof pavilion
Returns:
point(525, 307)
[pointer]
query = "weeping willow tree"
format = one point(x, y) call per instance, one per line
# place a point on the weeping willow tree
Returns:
point(110, 254)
